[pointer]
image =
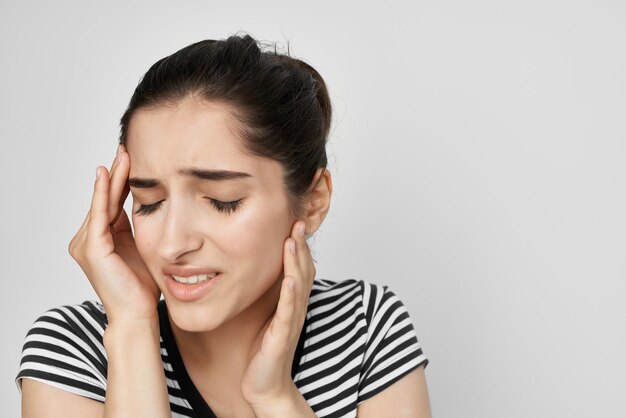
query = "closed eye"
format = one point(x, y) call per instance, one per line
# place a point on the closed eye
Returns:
point(227, 207)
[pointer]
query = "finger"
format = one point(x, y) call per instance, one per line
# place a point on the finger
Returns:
point(302, 282)
point(283, 322)
point(117, 222)
point(118, 185)
point(291, 263)
point(79, 237)
point(114, 163)
point(303, 252)
point(116, 160)
point(99, 211)
point(121, 224)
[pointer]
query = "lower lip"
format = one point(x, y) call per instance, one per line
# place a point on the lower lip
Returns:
point(190, 292)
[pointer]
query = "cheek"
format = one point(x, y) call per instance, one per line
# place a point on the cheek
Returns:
point(144, 239)
point(256, 242)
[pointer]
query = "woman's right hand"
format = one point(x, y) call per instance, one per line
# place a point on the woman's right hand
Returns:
point(105, 249)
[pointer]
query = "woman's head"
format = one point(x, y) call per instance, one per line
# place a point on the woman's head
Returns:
point(280, 103)
point(225, 106)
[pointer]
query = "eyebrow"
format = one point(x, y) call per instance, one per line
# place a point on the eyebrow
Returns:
point(215, 175)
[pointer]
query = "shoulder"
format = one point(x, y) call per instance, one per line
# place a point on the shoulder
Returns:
point(79, 323)
point(359, 334)
point(325, 288)
point(373, 308)
point(85, 321)
point(373, 298)
point(392, 349)
point(330, 299)
point(63, 347)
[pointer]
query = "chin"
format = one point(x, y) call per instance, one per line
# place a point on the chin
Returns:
point(194, 317)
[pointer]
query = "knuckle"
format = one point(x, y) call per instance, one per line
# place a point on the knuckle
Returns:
point(77, 252)
point(72, 248)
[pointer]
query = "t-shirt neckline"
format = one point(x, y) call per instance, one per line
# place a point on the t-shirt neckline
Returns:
point(189, 390)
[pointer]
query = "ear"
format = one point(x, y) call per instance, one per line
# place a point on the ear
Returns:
point(318, 202)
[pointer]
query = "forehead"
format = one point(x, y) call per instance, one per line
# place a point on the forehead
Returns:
point(192, 133)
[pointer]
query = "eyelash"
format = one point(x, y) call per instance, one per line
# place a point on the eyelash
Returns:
point(228, 207)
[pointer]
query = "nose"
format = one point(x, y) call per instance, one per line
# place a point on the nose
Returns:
point(178, 236)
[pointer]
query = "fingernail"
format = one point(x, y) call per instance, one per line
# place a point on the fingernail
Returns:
point(119, 149)
point(301, 228)
point(292, 246)
point(97, 172)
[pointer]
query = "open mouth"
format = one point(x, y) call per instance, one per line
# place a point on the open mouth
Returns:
point(193, 287)
point(199, 278)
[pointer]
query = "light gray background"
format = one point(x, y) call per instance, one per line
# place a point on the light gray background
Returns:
point(477, 152)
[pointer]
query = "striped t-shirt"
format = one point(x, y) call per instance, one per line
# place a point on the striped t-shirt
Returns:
point(357, 339)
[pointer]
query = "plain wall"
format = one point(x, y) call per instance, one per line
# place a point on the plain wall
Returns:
point(477, 154)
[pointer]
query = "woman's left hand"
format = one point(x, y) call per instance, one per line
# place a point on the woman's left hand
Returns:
point(267, 378)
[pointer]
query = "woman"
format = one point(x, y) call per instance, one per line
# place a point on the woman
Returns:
point(223, 149)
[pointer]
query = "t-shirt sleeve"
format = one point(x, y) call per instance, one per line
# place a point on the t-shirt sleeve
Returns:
point(64, 348)
point(392, 349)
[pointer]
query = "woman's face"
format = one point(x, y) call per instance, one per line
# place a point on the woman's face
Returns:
point(186, 229)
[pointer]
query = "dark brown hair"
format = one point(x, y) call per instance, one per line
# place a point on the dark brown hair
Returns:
point(281, 103)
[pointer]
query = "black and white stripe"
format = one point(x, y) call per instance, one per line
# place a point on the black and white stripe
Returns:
point(358, 339)
point(64, 348)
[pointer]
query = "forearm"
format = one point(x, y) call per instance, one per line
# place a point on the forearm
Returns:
point(136, 385)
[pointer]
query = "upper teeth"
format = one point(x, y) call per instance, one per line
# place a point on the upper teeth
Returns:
point(194, 279)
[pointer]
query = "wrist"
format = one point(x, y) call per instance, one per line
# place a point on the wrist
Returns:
point(130, 329)
point(291, 404)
